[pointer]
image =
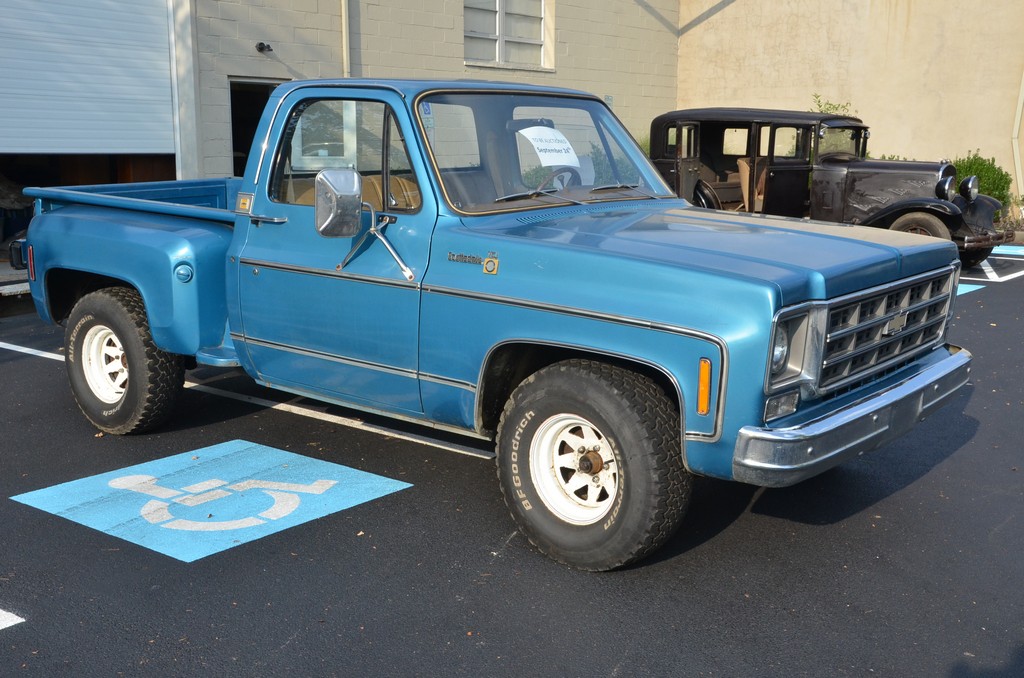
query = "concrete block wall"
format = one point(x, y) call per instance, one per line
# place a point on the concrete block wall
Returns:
point(307, 41)
point(623, 50)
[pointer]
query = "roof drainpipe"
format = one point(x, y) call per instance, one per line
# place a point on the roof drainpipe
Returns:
point(346, 56)
point(1015, 138)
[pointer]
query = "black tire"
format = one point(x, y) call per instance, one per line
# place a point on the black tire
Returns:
point(705, 196)
point(123, 383)
point(620, 498)
point(922, 224)
point(971, 258)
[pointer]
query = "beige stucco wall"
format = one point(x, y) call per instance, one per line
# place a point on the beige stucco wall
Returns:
point(934, 78)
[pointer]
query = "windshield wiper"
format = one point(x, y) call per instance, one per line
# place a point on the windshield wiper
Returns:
point(547, 192)
point(613, 187)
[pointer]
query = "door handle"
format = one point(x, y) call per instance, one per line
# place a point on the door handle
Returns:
point(267, 220)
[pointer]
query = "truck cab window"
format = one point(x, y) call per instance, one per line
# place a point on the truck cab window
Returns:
point(335, 133)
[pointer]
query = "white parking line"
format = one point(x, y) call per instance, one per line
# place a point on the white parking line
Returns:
point(299, 410)
point(9, 619)
point(991, 275)
point(32, 351)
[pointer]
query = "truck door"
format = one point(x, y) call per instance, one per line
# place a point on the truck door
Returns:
point(309, 324)
point(786, 189)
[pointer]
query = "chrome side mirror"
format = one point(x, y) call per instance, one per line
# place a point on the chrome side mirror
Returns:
point(339, 203)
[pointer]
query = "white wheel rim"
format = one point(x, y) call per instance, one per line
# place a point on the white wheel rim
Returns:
point(573, 469)
point(104, 364)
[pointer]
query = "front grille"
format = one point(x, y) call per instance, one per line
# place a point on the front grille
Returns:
point(871, 331)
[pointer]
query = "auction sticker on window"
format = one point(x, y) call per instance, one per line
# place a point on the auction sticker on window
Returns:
point(198, 503)
point(552, 148)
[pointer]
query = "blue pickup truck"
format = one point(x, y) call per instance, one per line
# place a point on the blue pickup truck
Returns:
point(503, 261)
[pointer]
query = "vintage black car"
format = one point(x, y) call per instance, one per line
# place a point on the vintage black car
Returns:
point(799, 164)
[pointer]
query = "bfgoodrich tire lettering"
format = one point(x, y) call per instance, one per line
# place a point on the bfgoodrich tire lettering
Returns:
point(590, 464)
point(122, 382)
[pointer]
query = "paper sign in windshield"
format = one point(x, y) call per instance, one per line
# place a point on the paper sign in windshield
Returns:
point(552, 148)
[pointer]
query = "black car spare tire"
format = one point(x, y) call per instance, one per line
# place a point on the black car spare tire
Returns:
point(122, 382)
point(590, 464)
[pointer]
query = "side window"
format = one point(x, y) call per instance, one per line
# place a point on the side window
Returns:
point(735, 141)
point(334, 133)
point(791, 143)
point(403, 192)
point(671, 139)
point(687, 141)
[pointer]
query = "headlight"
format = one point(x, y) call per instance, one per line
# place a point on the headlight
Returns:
point(780, 349)
point(794, 352)
point(969, 188)
point(944, 189)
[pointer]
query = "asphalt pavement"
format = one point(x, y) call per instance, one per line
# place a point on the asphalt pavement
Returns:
point(904, 562)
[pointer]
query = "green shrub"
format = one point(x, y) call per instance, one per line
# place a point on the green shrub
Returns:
point(993, 180)
point(831, 107)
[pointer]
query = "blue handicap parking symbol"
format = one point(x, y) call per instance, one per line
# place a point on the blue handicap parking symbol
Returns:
point(198, 503)
point(964, 288)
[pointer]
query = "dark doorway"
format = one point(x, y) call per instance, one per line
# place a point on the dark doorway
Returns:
point(248, 100)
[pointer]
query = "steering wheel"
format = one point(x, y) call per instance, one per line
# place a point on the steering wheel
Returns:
point(570, 173)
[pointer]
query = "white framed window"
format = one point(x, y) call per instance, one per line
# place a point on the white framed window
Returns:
point(505, 33)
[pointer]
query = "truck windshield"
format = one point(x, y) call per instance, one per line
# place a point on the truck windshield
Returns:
point(506, 151)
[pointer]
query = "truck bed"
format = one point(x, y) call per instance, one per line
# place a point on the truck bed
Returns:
point(210, 199)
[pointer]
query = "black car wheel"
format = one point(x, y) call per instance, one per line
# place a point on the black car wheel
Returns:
point(922, 224)
point(971, 258)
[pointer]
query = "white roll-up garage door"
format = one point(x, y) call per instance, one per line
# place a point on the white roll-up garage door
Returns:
point(85, 76)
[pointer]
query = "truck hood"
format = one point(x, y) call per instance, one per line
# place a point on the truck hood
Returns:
point(804, 260)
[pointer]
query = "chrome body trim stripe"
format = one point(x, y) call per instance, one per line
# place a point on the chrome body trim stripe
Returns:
point(354, 362)
point(714, 436)
point(325, 273)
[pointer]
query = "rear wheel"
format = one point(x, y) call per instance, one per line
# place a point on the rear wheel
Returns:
point(590, 464)
point(122, 382)
point(704, 196)
point(921, 224)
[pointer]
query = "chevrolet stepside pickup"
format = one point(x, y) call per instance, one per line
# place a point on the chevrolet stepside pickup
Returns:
point(503, 261)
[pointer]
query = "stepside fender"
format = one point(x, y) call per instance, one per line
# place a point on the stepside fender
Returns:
point(177, 265)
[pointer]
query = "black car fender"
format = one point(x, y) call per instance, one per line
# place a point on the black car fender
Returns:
point(949, 213)
point(980, 214)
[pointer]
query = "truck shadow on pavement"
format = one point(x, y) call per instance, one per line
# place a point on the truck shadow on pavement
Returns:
point(1014, 668)
point(833, 496)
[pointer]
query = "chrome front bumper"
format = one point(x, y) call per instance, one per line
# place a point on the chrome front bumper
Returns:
point(777, 457)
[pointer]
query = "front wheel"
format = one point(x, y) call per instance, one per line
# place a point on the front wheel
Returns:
point(122, 382)
point(922, 224)
point(971, 258)
point(590, 464)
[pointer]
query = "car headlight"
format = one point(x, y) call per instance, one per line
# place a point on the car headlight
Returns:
point(944, 190)
point(794, 352)
point(780, 349)
point(969, 188)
